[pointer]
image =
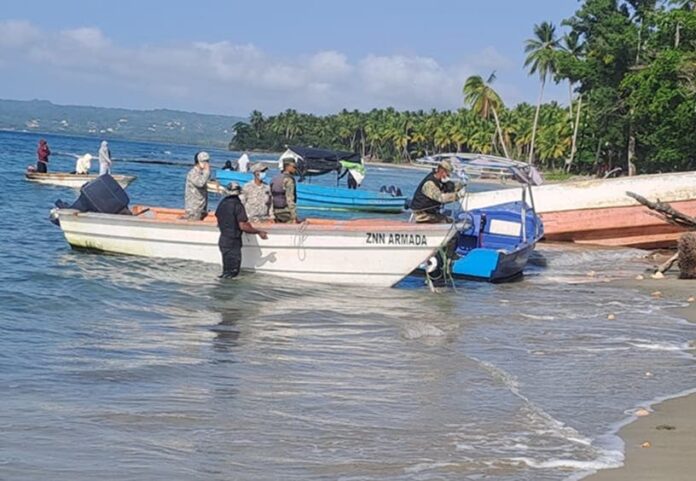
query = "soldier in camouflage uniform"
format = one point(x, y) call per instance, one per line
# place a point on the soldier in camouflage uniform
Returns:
point(435, 191)
point(284, 193)
point(257, 196)
point(196, 195)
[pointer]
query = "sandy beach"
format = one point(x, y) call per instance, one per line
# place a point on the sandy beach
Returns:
point(662, 444)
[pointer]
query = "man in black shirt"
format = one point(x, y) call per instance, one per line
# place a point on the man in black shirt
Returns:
point(232, 221)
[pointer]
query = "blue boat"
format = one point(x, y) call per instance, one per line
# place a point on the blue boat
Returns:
point(313, 162)
point(494, 243)
point(318, 197)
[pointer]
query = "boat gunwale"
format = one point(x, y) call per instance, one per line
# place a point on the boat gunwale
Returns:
point(309, 225)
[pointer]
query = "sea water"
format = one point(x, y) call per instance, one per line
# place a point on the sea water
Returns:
point(126, 368)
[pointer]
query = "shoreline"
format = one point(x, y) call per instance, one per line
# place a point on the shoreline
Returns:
point(660, 440)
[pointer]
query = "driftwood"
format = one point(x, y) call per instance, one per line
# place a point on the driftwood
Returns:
point(666, 212)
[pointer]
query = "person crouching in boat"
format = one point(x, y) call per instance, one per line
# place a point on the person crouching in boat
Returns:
point(42, 153)
point(434, 191)
point(283, 190)
point(83, 164)
point(256, 196)
point(232, 221)
point(196, 195)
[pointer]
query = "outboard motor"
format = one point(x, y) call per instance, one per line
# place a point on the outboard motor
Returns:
point(103, 195)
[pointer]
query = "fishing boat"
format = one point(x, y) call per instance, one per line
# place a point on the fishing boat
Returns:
point(367, 252)
point(75, 181)
point(493, 243)
point(599, 212)
point(314, 162)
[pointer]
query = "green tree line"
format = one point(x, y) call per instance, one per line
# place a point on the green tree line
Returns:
point(630, 67)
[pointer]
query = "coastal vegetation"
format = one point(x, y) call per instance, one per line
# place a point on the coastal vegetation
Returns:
point(630, 66)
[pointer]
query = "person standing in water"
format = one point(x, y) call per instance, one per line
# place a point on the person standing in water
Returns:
point(104, 158)
point(196, 195)
point(42, 153)
point(232, 221)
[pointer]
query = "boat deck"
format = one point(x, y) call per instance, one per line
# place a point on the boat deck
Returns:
point(168, 215)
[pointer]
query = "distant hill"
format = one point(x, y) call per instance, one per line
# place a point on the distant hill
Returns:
point(159, 125)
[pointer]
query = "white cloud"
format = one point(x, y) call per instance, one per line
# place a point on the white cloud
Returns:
point(228, 78)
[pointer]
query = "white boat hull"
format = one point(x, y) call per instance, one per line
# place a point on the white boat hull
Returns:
point(595, 193)
point(74, 181)
point(363, 252)
point(599, 211)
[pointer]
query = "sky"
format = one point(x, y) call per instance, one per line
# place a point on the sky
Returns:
point(231, 57)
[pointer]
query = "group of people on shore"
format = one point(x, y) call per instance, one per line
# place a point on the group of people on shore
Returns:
point(276, 202)
point(83, 163)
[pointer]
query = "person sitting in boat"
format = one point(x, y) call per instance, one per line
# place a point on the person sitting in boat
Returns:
point(42, 154)
point(196, 195)
point(104, 158)
point(355, 172)
point(232, 220)
point(243, 163)
point(256, 195)
point(228, 165)
point(83, 164)
point(434, 191)
point(283, 191)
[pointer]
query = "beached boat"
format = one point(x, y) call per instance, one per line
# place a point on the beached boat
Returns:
point(497, 243)
point(374, 252)
point(493, 243)
point(599, 212)
point(314, 162)
point(75, 181)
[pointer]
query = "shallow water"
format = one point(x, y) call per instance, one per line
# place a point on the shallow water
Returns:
point(117, 367)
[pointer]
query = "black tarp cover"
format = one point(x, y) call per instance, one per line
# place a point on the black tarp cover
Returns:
point(321, 161)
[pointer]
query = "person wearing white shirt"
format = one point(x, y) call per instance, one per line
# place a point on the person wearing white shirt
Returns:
point(243, 163)
point(83, 164)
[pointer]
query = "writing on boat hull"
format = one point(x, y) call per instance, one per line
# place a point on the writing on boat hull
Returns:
point(396, 239)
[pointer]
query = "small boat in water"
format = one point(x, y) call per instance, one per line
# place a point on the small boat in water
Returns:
point(313, 162)
point(498, 242)
point(493, 243)
point(366, 252)
point(75, 181)
point(598, 211)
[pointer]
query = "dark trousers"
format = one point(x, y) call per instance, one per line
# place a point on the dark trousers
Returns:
point(352, 184)
point(42, 167)
point(231, 250)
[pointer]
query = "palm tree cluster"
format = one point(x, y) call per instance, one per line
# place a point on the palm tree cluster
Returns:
point(630, 66)
point(393, 136)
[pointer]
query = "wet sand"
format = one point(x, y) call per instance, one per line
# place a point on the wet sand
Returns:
point(661, 445)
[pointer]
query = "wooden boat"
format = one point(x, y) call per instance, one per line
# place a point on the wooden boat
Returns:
point(74, 181)
point(599, 211)
point(372, 252)
point(314, 162)
point(317, 197)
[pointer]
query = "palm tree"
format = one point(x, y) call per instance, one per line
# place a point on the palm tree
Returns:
point(541, 59)
point(483, 99)
point(575, 49)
